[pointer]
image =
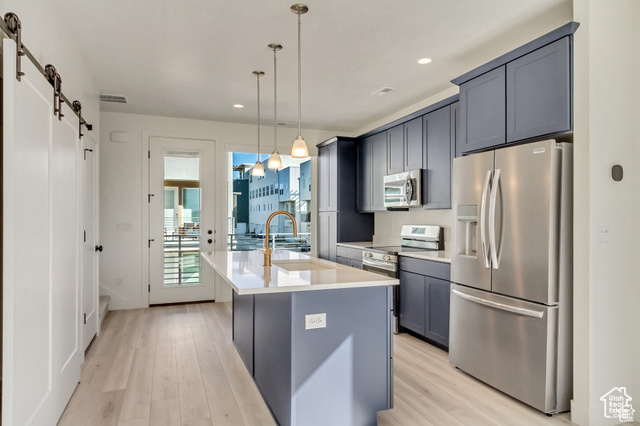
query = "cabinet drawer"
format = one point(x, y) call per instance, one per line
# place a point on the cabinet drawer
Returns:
point(349, 252)
point(426, 267)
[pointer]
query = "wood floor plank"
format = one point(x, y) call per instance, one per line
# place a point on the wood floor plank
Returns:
point(165, 374)
point(191, 393)
point(208, 358)
point(148, 330)
point(242, 385)
point(165, 412)
point(201, 422)
point(134, 422)
point(106, 408)
point(222, 403)
point(137, 397)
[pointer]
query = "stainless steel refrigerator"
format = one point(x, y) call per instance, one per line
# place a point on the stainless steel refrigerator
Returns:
point(511, 271)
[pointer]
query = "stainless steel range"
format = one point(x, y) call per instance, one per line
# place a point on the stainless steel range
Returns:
point(384, 259)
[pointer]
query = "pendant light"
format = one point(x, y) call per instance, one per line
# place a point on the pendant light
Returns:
point(299, 148)
point(258, 170)
point(275, 162)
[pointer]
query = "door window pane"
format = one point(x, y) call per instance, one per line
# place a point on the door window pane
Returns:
point(182, 219)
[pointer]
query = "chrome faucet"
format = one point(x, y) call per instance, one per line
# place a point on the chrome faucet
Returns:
point(266, 250)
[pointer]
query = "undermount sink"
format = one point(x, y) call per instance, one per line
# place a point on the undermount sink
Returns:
point(301, 265)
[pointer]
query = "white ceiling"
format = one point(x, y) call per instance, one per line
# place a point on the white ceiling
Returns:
point(194, 58)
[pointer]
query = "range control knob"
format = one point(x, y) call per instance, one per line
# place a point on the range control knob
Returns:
point(369, 254)
point(387, 257)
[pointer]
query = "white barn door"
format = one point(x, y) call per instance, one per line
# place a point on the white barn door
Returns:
point(42, 166)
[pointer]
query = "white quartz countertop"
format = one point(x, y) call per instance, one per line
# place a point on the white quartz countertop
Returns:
point(357, 245)
point(245, 273)
point(443, 256)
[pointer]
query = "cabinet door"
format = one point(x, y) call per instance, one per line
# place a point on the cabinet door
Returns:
point(436, 182)
point(323, 179)
point(412, 302)
point(437, 310)
point(333, 178)
point(327, 235)
point(539, 92)
point(395, 158)
point(328, 178)
point(482, 111)
point(378, 170)
point(413, 144)
point(243, 307)
point(364, 175)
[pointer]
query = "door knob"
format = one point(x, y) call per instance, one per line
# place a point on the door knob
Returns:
point(99, 248)
point(209, 232)
point(209, 240)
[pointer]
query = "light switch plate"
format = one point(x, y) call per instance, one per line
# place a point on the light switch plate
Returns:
point(312, 321)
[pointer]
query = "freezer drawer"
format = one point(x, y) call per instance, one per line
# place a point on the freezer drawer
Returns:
point(507, 343)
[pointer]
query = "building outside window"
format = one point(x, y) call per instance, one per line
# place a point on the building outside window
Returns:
point(276, 190)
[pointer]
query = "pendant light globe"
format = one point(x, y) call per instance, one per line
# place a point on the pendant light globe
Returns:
point(258, 169)
point(299, 148)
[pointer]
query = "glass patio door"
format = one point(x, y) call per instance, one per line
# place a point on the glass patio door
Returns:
point(180, 219)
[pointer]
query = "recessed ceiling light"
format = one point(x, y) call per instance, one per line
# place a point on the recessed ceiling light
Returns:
point(424, 61)
point(238, 106)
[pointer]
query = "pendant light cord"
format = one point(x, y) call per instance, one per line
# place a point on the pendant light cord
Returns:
point(258, 82)
point(275, 102)
point(299, 78)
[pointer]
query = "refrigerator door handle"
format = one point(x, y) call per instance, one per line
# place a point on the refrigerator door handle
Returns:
point(493, 248)
point(500, 306)
point(483, 208)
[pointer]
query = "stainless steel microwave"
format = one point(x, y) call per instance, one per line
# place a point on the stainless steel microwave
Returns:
point(403, 189)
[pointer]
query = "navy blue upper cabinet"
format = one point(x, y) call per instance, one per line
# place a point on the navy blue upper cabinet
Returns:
point(413, 145)
point(395, 146)
point(522, 95)
point(438, 142)
point(539, 92)
point(372, 167)
point(364, 175)
point(482, 112)
point(327, 189)
point(378, 170)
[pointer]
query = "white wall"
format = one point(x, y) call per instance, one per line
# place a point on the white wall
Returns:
point(607, 132)
point(123, 183)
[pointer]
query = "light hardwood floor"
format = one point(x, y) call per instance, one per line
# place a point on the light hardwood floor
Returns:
point(176, 365)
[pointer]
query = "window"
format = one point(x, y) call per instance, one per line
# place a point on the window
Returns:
point(251, 212)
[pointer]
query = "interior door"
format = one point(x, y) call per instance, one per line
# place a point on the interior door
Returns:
point(181, 168)
point(89, 253)
point(41, 245)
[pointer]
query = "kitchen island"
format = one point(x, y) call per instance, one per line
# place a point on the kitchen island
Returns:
point(316, 336)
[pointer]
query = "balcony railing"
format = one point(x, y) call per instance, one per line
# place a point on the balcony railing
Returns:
point(279, 240)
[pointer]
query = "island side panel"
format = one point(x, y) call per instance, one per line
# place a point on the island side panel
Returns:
point(243, 312)
point(341, 372)
point(272, 362)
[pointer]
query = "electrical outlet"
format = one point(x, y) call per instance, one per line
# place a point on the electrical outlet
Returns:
point(118, 282)
point(312, 321)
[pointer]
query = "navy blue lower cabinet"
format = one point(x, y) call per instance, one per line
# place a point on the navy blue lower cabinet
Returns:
point(437, 294)
point(335, 374)
point(412, 302)
point(424, 298)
